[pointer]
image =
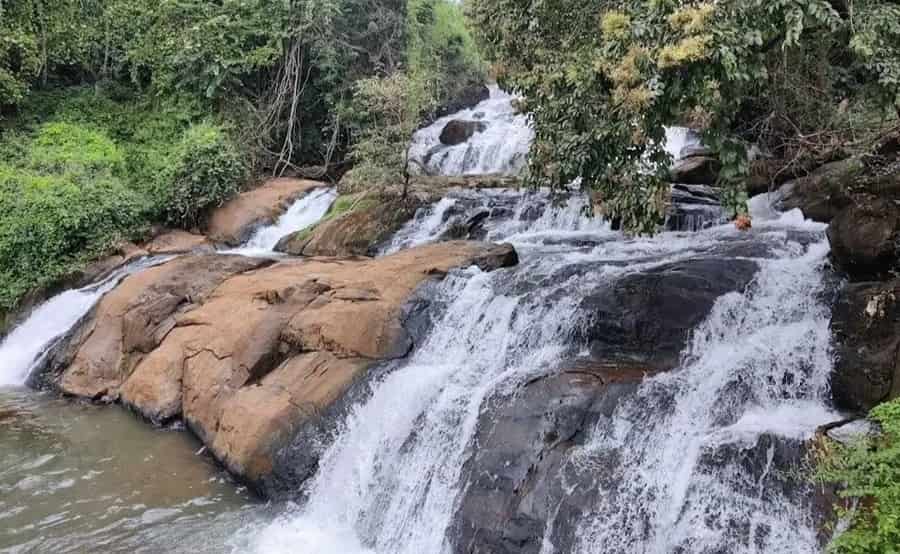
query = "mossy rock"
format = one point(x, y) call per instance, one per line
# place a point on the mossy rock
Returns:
point(356, 225)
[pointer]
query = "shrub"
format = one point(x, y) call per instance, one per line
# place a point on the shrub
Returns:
point(70, 148)
point(870, 474)
point(206, 170)
point(51, 224)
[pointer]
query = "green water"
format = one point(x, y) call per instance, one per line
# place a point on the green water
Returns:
point(81, 478)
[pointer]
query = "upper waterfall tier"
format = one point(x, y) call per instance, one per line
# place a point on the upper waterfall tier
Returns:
point(501, 147)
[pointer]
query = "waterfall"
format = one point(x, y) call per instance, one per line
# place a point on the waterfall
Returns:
point(501, 148)
point(757, 368)
point(26, 346)
point(304, 213)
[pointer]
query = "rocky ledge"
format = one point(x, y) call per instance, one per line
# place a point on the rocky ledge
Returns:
point(245, 350)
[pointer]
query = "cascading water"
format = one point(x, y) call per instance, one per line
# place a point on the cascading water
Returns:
point(304, 213)
point(27, 344)
point(756, 370)
point(500, 148)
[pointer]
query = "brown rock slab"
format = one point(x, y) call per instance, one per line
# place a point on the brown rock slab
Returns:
point(135, 317)
point(176, 241)
point(246, 351)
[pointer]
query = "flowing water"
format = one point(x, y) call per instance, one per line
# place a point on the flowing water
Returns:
point(691, 460)
point(500, 149)
point(25, 347)
point(304, 213)
point(81, 478)
point(758, 367)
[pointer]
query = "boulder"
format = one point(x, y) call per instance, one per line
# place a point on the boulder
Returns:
point(646, 318)
point(866, 328)
point(245, 351)
point(822, 194)
point(135, 317)
point(358, 232)
point(234, 222)
point(458, 131)
point(467, 98)
point(697, 170)
point(864, 239)
point(176, 241)
point(517, 482)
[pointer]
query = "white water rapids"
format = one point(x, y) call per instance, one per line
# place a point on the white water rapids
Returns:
point(500, 149)
point(690, 460)
point(27, 345)
point(304, 213)
point(759, 366)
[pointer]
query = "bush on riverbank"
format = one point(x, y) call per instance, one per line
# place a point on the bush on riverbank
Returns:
point(169, 106)
point(97, 171)
point(869, 473)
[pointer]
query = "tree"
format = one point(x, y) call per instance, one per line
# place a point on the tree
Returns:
point(386, 112)
point(602, 79)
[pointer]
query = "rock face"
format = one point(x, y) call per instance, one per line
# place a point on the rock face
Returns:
point(468, 98)
point(696, 170)
point(822, 194)
point(866, 329)
point(133, 319)
point(864, 239)
point(520, 485)
point(646, 318)
point(178, 242)
point(246, 351)
point(234, 222)
point(518, 479)
point(458, 131)
point(357, 232)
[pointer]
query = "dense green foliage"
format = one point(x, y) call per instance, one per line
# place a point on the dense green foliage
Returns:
point(61, 201)
point(870, 474)
point(602, 78)
point(116, 114)
point(204, 171)
point(385, 110)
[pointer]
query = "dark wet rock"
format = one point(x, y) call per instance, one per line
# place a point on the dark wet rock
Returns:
point(698, 170)
point(458, 131)
point(866, 328)
point(693, 208)
point(467, 98)
point(822, 194)
point(518, 481)
point(647, 317)
point(864, 239)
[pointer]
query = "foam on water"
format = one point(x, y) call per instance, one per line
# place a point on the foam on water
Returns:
point(758, 366)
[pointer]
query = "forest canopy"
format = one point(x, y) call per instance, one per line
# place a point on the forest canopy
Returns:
point(117, 114)
point(603, 78)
